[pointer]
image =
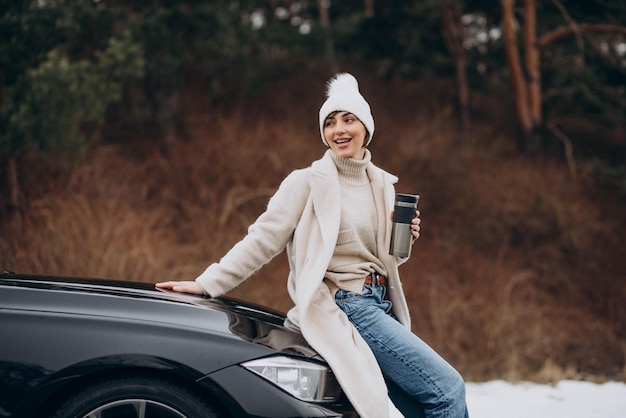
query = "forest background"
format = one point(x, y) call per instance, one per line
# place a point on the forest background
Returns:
point(139, 139)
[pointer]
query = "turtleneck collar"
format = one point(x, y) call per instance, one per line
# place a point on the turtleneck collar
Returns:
point(350, 169)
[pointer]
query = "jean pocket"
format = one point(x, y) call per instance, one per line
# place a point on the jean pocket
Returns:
point(343, 296)
point(351, 302)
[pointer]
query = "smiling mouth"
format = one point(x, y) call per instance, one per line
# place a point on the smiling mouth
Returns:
point(342, 141)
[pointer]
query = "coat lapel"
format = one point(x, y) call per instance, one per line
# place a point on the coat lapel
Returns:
point(326, 196)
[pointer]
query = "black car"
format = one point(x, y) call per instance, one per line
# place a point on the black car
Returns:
point(72, 348)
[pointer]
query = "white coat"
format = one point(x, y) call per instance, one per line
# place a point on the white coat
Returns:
point(303, 217)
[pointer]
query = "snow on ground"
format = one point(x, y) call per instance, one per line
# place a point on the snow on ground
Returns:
point(566, 399)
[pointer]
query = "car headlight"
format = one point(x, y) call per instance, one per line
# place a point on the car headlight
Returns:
point(306, 380)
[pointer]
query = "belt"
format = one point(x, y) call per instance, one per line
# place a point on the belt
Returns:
point(375, 278)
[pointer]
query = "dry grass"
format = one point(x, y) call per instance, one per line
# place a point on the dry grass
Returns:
point(519, 273)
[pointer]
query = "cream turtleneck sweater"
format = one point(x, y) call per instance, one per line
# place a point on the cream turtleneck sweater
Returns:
point(355, 255)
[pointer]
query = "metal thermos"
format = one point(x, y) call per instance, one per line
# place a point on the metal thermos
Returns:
point(403, 213)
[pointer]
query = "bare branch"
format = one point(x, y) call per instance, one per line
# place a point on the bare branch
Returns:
point(571, 22)
point(563, 31)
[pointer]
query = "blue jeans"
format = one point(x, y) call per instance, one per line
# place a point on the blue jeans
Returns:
point(421, 382)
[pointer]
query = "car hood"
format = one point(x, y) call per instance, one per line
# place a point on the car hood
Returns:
point(141, 302)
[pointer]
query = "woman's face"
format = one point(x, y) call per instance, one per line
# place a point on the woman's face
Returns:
point(345, 134)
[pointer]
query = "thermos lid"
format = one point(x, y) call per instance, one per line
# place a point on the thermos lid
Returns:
point(406, 198)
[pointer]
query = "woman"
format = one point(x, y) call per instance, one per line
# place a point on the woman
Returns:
point(334, 220)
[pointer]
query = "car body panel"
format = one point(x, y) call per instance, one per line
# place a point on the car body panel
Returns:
point(57, 332)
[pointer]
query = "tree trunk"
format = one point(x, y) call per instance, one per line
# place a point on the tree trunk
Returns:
point(532, 60)
point(454, 35)
point(520, 92)
point(323, 6)
point(526, 88)
point(369, 8)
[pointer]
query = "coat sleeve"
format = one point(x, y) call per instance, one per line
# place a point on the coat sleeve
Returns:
point(266, 238)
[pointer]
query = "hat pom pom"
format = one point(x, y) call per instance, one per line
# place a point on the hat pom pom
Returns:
point(341, 83)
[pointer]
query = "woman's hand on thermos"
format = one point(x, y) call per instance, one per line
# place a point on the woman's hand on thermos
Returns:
point(415, 225)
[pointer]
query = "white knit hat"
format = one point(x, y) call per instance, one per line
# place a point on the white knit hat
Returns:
point(343, 94)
